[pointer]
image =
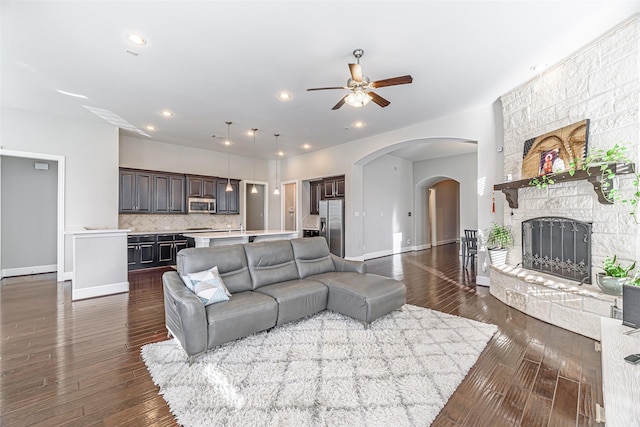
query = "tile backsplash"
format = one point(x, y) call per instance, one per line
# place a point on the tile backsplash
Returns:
point(177, 222)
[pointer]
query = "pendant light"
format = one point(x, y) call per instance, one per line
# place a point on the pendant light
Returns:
point(229, 187)
point(276, 191)
point(254, 190)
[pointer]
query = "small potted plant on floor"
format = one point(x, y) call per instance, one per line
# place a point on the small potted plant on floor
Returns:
point(615, 276)
point(499, 240)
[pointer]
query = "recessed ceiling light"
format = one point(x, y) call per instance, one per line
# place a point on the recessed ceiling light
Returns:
point(284, 96)
point(250, 132)
point(150, 127)
point(167, 113)
point(358, 124)
point(306, 146)
point(136, 39)
point(227, 143)
point(280, 153)
point(75, 95)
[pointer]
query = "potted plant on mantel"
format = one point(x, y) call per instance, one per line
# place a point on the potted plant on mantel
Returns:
point(499, 240)
point(613, 278)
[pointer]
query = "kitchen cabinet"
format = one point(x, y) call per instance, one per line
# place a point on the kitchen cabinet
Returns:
point(168, 246)
point(168, 193)
point(201, 186)
point(135, 191)
point(315, 195)
point(141, 251)
point(333, 187)
point(227, 202)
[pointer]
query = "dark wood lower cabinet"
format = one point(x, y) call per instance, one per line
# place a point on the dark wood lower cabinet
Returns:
point(154, 250)
point(141, 251)
point(168, 247)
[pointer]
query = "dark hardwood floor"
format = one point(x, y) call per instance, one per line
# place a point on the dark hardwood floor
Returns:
point(78, 363)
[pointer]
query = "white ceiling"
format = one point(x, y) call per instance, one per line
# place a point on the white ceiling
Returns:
point(213, 61)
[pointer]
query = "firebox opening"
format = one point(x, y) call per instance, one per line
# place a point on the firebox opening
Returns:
point(558, 246)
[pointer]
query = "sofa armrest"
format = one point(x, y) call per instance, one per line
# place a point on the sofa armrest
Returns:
point(342, 265)
point(185, 315)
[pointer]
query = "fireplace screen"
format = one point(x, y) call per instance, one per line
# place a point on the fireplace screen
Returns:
point(558, 246)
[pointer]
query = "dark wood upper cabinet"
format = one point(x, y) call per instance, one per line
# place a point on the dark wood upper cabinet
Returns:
point(315, 195)
point(227, 202)
point(201, 186)
point(155, 192)
point(135, 191)
point(339, 187)
point(168, 193)
point(333, 187)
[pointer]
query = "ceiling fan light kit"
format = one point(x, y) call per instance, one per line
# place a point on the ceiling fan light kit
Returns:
point(360, 86)
point(358, 98)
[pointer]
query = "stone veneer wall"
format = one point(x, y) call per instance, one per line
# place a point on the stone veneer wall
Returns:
point(140, 222)
point(600, 82)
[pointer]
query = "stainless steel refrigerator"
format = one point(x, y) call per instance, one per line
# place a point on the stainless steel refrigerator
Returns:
point(332, 225)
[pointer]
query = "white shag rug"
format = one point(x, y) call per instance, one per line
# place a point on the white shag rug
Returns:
point(325, 370)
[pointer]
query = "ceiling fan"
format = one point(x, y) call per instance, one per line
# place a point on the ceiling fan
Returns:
point(360, 86)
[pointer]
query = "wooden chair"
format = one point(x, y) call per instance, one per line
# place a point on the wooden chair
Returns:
point(470, 249)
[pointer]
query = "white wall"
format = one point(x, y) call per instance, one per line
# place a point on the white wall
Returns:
point(481, 124)
point(91, 155)
point(387, 200)
point(29, 216)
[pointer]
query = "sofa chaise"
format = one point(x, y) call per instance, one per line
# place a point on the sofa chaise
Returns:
point(271, 283)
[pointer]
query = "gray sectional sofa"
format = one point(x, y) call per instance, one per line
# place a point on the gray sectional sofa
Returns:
point(271, 283)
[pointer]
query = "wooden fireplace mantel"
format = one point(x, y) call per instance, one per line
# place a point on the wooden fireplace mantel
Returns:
point(593, 175)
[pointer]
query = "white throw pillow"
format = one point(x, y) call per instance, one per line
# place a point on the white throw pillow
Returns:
point(207, 285)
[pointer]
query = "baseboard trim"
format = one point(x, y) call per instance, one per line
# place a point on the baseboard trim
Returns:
point(68, 275)
point(445, 242)
point(24, 271)
point(98, 291)
point(483, 280)
point(422, 247)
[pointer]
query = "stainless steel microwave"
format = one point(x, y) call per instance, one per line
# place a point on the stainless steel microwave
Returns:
point(200, 205)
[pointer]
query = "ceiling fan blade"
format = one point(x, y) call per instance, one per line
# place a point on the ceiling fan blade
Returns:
point(356, 72)
point(402, 80)
point(378, 99)
point(327, 88)
point(340, 103)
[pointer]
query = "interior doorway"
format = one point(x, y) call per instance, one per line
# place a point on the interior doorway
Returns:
point(255, 217)
point(444, 212)
point(58, 228)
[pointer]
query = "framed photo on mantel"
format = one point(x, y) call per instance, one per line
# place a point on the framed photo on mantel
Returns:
point(553, 151)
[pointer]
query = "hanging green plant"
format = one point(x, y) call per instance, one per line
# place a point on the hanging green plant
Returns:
point(603, 160)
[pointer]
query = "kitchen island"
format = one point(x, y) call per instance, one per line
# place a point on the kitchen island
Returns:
point(220, 238)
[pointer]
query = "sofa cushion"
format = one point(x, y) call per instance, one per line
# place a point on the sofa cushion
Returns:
point(365, 297)
point(297, 298)
point(270, 262)
point(207, 285)
point(230, 260)
point(244, 314)
point(312, 256)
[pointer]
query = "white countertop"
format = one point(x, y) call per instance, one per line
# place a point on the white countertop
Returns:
point(98, 231)
point(235, 234)
point(182, 231)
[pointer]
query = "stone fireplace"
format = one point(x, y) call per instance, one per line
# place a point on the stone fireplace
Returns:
point(600, 82)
